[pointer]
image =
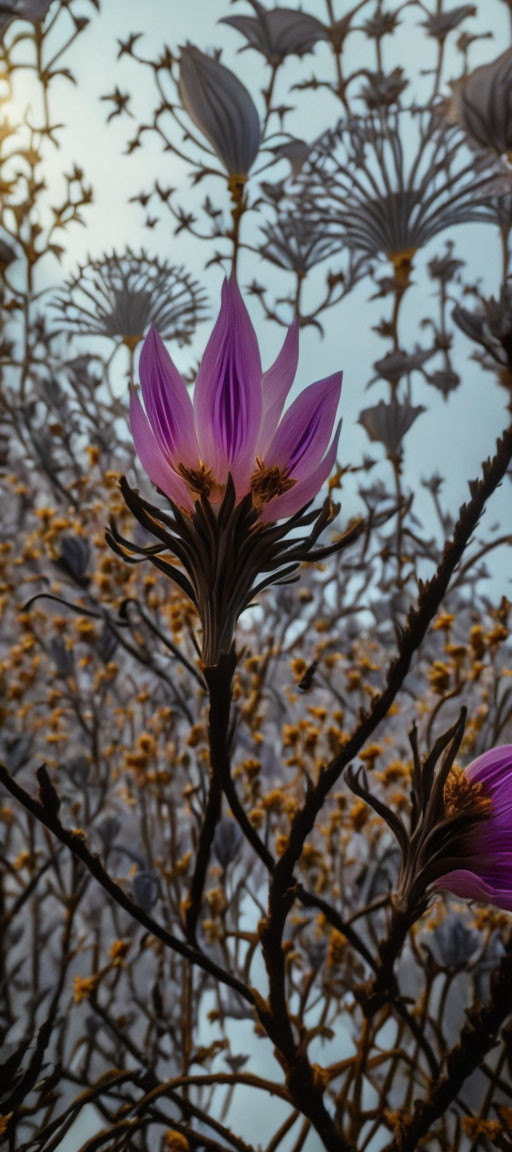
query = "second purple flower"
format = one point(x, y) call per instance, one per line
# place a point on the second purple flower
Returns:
point(481, 858)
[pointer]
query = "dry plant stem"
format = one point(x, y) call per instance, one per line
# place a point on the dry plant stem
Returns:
point(219, 679)
point(304, 1090)
point(207, 833)
point(282, 893)
point(431, 596)
point(479, 1035)
point(382, 986)
point(46, 812)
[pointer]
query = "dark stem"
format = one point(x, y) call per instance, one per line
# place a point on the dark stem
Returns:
point(210, 821)
point(304, 1089)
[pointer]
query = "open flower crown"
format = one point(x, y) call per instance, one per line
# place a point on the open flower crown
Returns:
point(235, 424)
point(239, 472)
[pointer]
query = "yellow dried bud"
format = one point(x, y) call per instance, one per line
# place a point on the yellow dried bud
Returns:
point(176, 1142)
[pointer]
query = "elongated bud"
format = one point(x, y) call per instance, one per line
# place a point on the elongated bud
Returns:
point(221, 108)
point(482, 104)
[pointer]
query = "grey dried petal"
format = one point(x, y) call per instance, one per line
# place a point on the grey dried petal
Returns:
point(382, 24)
point(382, 90)
point(397, 364)
point(17, 752)
point(7, 253)
point(63, 657)
point(106, 644)
point(145, 889)
point(278, 32)
point(453, 944)
point(445, 380)
point(32, 10)
point(439, 24)
point(78, 769)
point(108, 829)
point(221, 108)
point(74, 557)
point(295, 151)
point(444, 268)
point(228, 839)
point(388, 423)
point(482, 104)
point(471, 323)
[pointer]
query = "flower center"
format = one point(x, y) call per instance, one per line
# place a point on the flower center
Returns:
point(266, 483)
point(465, 797)
point(200, 480)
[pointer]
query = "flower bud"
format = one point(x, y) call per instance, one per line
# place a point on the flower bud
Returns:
point(482, 104)
point(221, 108)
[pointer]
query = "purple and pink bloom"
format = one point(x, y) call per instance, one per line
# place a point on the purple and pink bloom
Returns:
point(485, 851)
point(235, 424)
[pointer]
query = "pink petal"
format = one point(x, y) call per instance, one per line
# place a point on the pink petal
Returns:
point(491, 766)
point(472, 887)
point(305, 429)
point(276, 384)
point(227, 395)
point(305, 490)
point(152, 459)
point(167, 402)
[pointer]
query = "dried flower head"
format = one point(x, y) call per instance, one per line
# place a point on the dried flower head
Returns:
point(382, 194)
point(121, 295)
point(278, 32)
point(439, 24)
point(296, 242)
point(388, 423)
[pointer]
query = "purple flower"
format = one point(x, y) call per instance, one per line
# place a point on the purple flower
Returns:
point(235, 425)
point(481, 857)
